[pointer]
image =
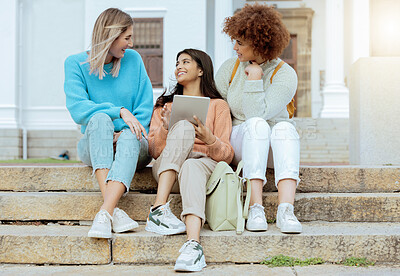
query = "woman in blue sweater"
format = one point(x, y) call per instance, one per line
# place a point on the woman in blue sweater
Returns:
point(109, 94)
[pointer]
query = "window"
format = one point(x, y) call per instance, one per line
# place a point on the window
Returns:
point(148, 42)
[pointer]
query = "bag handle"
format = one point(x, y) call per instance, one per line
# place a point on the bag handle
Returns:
point(240, 218)
point(243, 211)
point(247, 201)
point(239, 168)
point(218, 172)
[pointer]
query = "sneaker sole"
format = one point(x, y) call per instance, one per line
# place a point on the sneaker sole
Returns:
point(192, 268)
point(126, 228)
point(150, 227)
point(291, 230)
point(257, 229)
point(99, 235)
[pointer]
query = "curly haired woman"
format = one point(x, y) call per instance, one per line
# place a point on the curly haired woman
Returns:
point(258, 96)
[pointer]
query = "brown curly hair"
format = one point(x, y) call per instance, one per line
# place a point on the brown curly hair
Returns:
point(261, 27)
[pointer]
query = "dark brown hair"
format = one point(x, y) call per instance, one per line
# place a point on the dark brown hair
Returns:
point(261, 27)
point(207, 83)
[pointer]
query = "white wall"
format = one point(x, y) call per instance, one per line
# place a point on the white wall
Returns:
point(52, 30)
point(8, 73)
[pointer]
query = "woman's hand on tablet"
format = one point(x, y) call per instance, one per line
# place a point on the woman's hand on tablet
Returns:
point(133, 123)
point(203, 133)
point(165, 116)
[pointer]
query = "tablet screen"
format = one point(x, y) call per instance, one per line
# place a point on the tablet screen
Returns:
point(185, 107)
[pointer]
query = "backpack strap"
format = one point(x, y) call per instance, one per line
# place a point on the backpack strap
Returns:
point(290, 107)
point(247, 201)
point(242, 210)
point(242, 213)
point(234, 70)
point(276, 70)
point(240, 218)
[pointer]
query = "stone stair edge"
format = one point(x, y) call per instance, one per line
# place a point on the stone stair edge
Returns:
point(81, 206)
point(78, 177)
point(312, 228)
point(70, 245)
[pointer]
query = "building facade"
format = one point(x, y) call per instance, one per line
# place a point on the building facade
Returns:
point(37, 35)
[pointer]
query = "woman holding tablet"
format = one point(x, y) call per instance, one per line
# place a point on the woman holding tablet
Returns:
point(109, 94)
point(258, 96)
point(186, 155)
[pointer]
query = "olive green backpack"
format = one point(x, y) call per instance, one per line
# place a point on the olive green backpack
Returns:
point(224, 203)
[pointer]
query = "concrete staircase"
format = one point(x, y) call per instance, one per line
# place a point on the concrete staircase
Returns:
point(346, 211)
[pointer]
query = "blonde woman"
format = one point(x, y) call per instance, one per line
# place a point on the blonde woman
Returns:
point(109, 94)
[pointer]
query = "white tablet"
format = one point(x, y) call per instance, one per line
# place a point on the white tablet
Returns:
point(185, 107)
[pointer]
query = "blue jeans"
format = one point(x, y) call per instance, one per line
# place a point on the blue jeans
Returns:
point(96, 150)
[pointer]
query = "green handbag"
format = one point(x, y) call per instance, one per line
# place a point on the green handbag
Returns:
point(224, 203)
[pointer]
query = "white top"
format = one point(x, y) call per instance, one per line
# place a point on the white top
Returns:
point(257, 98)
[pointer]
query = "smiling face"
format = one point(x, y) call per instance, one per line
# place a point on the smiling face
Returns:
point(187, 70)
point(118, 47)
point(245, 51)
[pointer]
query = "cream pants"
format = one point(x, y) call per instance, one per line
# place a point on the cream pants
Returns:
point(193, 168)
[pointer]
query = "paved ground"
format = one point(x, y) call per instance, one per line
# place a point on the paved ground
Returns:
point(210, 270)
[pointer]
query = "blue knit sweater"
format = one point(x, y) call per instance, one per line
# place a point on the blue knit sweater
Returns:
point(86, 95)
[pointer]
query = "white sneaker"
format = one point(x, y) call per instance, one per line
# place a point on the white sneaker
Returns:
point(163, 221)
point(286, 220)
point(256, 220)
point(191, 258)
point(121, 222)
point(101, 227)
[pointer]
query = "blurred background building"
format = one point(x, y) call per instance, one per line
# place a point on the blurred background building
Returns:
point(327, 37)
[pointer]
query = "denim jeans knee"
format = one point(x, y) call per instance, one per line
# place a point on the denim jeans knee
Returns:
point(96, 147)
point(129, 151)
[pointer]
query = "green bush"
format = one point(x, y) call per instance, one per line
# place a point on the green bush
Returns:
point(356, 262)
point(281, 260)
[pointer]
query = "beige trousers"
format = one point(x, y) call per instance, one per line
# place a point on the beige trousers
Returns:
point(193, 168)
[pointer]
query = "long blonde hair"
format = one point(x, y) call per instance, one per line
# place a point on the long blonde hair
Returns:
point(110, 24)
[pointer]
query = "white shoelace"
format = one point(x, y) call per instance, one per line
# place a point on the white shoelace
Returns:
point(167, 211)
point(289, 215)
point(120, 214)
point(258, 212)
point(188, 244)
point(102, 218)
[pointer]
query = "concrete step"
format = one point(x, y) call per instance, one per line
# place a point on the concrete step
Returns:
point(333, 242)
point(51, 245)
point(76, 206)
point(324, 179)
